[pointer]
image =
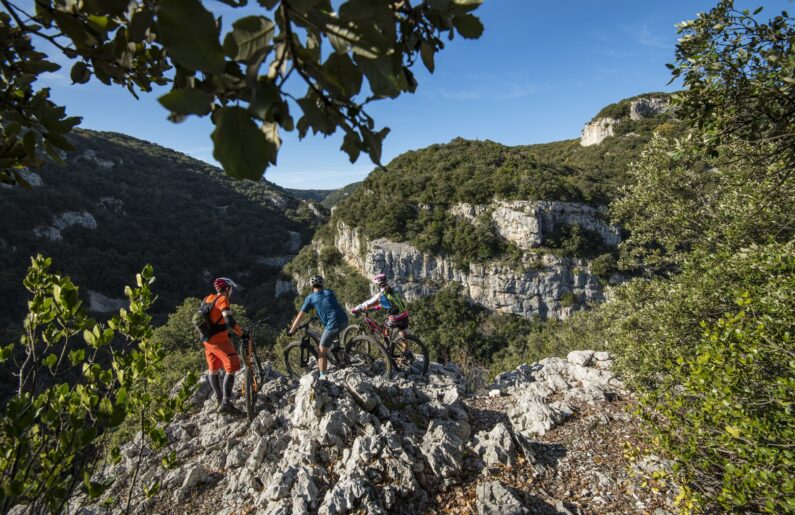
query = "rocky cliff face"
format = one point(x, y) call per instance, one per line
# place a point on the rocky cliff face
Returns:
point(596, 131)
point(546, 286)
point(360, 444)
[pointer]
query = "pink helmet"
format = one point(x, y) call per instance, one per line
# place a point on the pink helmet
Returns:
point(223, 282)
point(379, 278)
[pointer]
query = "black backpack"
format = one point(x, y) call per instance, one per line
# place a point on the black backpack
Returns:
point(201, 318)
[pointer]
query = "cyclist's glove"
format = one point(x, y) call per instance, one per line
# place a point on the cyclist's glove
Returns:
point(246, 335)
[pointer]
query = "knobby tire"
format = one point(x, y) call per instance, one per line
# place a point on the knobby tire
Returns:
point(297, 357)
point(409, 362)
point(365, 351)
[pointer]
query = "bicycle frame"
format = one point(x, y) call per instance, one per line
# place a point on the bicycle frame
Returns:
point(377, 329)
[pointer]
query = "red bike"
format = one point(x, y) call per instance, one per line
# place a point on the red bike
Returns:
point(370, 343)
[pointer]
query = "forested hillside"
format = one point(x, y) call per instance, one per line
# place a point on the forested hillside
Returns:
point(410, 200)
point(118, 203)
point(417, 200)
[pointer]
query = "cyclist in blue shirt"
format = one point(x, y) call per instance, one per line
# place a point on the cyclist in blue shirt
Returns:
point(330, 313)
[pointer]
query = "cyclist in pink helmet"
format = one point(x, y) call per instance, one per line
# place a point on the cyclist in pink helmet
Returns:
point(218, 348)
point(388, 299)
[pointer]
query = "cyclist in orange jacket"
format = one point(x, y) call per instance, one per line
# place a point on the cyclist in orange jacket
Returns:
point(218, 347)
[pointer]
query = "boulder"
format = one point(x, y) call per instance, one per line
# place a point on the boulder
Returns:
point(495, 446)
point(494, 498)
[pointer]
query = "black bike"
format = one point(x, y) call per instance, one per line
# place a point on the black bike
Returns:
point(300, 357)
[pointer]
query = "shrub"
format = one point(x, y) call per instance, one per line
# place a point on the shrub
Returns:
point(79, 380)
point(723, 406)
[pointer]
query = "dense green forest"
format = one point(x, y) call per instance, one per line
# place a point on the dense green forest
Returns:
point(150, 205)
point(410, 199)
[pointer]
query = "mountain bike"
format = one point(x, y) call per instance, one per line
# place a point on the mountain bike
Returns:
point(300, 357)
point(255, 372)
point(404, 353)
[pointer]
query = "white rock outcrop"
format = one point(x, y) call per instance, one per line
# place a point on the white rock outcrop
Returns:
point(596, 131)
point(91, 155)
point(32, 178)
point(647, 107)
point(545, 286)
point(527, 224)
point(64, 221)
point(348, 444)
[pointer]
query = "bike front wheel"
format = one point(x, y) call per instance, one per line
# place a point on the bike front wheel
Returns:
point(299, 359)
point(410, 355)
point(365, 352)
point(349, 333)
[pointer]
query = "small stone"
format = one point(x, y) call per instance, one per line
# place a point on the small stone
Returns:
point(495, 393)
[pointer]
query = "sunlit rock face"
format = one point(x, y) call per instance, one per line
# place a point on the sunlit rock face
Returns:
point(543, 285)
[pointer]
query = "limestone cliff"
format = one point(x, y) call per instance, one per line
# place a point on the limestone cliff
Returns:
point(544, 285)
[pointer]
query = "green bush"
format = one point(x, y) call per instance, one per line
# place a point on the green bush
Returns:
point(79, 381)
point(719, 394)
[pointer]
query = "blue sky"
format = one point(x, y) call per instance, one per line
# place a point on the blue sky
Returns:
point(539, 72)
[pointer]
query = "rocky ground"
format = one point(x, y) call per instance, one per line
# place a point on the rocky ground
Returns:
point(547, 438)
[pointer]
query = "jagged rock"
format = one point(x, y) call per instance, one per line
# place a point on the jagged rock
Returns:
point(443, 447)
point(494, 498)
point(64, 221)
point(538, 289)
point(581, 357)
point(32, 178)
point(349, 494)
point(91, 155)
point(495, 446)
point(534, 417)
point(646, 107)
point(236, 459)
point(358, 443)
point(596, 131)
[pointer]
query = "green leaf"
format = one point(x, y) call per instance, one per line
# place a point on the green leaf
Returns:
point(249, 38)
point(381, 75)
point(80, 73)
point(242, 149)
point(29, 142)
point(426, 52)
point(190, 35)
point(343, 74)
point(50, 361)
point(468, 26)
point(352, 146)
point(77, 356)
point(734, 431)
point(74, 29)
point(187, 101)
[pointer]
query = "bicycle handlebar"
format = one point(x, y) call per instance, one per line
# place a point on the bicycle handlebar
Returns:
point(306, 324)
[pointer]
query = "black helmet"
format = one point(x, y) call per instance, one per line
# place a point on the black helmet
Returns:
point(316, 281)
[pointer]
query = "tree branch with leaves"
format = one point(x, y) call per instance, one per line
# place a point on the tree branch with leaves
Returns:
point(247, 78)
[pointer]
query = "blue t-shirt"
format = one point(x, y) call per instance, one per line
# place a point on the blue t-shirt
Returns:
point(331, 314)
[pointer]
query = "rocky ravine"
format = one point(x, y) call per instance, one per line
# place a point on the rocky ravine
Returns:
point(358, 444)
point(546, 285)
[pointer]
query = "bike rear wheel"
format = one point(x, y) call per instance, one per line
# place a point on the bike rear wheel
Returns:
point(299, 359)
point(410, 355)
point(364, 351)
